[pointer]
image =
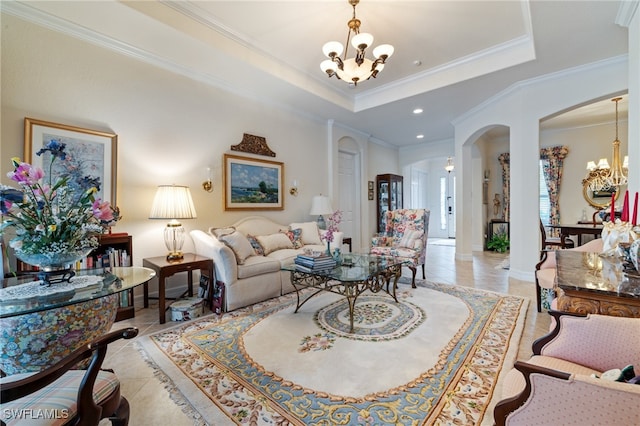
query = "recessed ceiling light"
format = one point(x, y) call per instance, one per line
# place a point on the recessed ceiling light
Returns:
point(419, 136)
point(418, 111)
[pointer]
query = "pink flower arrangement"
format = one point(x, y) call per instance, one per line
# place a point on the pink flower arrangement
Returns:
point(333, 221)
point(53, 217)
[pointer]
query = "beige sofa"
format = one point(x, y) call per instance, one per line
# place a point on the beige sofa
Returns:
point(248, 256)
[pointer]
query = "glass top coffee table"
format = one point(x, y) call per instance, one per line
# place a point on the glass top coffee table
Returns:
point(357, 274)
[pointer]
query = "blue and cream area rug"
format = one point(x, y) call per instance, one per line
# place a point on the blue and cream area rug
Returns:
point(433, 358)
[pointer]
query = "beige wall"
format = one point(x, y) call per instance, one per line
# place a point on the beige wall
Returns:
point(170, 128)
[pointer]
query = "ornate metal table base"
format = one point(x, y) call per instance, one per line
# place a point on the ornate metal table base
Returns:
point(56, 276)
point(349, 289)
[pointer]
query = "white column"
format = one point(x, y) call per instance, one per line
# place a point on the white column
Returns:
point(464, 205)
point(524, 217)
point(634, 102)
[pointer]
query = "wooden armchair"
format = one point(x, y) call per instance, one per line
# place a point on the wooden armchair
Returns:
point(550, 242)
point(62, 395)
point(555, 386)
point(405, 237)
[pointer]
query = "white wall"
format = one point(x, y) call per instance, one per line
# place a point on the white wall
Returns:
point(521, 108)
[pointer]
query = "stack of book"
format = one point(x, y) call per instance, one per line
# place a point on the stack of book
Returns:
point(306, 263)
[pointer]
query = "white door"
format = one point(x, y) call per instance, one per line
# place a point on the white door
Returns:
point(348, 203)
point(446, 219)
point(451, 204)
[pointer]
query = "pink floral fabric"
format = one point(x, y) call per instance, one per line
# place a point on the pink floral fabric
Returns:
point(552, 166)
point(397, 224)
point(32, 342)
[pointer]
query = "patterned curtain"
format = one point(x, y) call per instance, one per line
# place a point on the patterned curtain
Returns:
point(504, 161)
point(552, 165)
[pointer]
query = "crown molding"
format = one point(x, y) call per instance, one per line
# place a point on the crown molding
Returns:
point(536, 80)
point(38, 17)
point(626, 12)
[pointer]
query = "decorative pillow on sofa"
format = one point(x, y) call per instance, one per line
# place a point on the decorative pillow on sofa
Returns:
point(255, 244)
point(295, 235)
point(273, 242)
point(310, 232)
point(409, 238)
point(239, 244)
point(219, 232)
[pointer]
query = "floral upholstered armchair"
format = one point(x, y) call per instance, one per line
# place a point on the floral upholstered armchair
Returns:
point(405, 236)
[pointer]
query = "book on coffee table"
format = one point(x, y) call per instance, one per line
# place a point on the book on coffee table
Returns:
point(313, 264)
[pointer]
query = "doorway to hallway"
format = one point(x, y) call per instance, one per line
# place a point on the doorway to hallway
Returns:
point(448, 204)
point(433, 188)
point(348, 202)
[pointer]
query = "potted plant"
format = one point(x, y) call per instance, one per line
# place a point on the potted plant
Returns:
point(499, 242)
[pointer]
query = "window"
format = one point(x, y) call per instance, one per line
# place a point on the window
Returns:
point(443, 203)
point(544, 198)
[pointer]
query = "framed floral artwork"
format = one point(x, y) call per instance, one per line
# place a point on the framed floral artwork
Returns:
point(89, 153)
point(252, 184)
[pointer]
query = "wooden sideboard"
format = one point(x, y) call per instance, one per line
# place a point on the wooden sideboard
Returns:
point(590, 283)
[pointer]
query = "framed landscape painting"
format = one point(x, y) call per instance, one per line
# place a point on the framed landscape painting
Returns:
point(252, 184)
point(89, 153)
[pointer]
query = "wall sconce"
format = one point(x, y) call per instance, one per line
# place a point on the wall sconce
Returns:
point(294, 188)
point(207, 185)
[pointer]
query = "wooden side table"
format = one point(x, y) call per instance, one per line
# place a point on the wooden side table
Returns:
point(347, 240)
point(165, 269)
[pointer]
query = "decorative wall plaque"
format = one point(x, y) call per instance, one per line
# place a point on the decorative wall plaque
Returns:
point(253, 145)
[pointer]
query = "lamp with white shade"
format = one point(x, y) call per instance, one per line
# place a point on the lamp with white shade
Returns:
point(320, 205)
point(173, 202)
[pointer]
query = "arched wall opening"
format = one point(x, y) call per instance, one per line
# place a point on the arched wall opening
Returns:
point(521, 108)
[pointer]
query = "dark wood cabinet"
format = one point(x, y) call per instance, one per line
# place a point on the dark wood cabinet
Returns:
point(389, 189)
point(121, 245)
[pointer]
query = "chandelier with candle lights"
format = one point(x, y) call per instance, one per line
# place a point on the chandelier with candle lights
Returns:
point(601, 176)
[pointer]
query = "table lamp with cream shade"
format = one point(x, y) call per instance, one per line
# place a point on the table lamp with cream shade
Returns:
point(320, 205)
point(173, 202)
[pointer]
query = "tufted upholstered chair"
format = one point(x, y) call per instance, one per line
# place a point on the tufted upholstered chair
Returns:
point(405, 237)
point(546, 268)
point(555, 387)
point(63, 394)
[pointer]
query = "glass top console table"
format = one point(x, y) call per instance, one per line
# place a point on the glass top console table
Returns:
point(357, 274)
point(591, 283)
point(40, 325)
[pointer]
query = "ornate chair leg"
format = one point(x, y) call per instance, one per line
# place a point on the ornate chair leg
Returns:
point(121, 416)
point(413, 276)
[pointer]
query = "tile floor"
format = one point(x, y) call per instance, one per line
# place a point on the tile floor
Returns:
point(150, 402)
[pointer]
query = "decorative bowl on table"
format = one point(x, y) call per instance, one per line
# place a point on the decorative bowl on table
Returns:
point(54, 267)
